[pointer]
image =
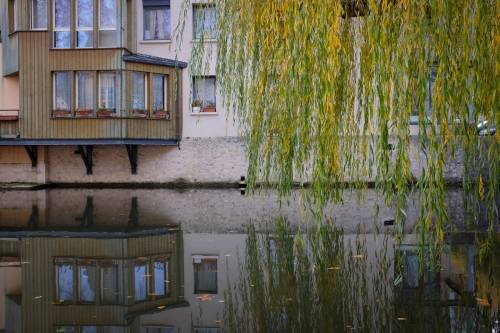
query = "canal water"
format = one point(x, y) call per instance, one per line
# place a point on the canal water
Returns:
point(213, 260)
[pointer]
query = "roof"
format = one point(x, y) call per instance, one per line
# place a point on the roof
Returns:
point(148, 59)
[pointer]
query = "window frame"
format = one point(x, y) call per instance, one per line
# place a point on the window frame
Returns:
point(167, 7)
point(56, 29)
point(57, 263)
point(77, 109)
point(79, 264)
point(68, 112)
point(32, 13)
point(103, 264)
point(85, 29)
point(99, 84)
point(201, 5)
point(206, 257)
point(166, 283)
point(165, 93)
point(203, 106)
point(116, 28)
point(130, 107)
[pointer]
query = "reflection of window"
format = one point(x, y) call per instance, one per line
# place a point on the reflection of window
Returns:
point(108, 17)
point(107, 91)
point(65, 281)
point(428, 98)
point(204, 21)
point(141, 281)
point(206, 330)
point(156, 19)
point(159, 92)
point(160, 329)
point(151, 278)
point(85, 23)
point(160, 277)
point(87, 281)
point(90, 329)
point(139, 88)
point(84, 91)
point(39, 14)
point(62, 20)
point(109, 282)
point(62, 91)
point(205, 274)
point(204, 93)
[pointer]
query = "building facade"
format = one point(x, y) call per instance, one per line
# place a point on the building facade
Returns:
point(101, 91)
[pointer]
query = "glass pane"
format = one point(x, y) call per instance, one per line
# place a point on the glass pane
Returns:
point(88, 329)
point(107, 91)
point(204, 91)
point(64, 282)
point(62, 39)
point(85, 14)
point(205, 276)
point(87, 278)
point(66, 329)
point(108, 13)
point(112, 329)
point(138, 91)
point(109, 282)
point(160, 278)
point(62, 91)
point(40, 14)
point(158, 92)
point(85, 89)
point(84, 39)
point(204, 22)
point(156, 23)
point(108, 38)
point(62, 10)
point(140, 280)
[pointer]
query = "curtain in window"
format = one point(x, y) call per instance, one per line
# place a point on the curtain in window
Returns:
point(204, 90)
point(85, 89)
point(107, 91)
point(62, 13)
point(64, 282)
point(62, 91)
point(40, 14)
point(205, 276)
point(109, 282)
point(140, 281)
point(138, 91)
point(156, 23)
point(85, 23)
point(158, 92)
point(160, 277)
point(87, 276)
point(108, 18)
point(204, 22)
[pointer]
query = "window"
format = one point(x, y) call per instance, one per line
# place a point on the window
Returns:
point(206, 330)
point(139, 91)
point(159, 93)
point(90, 329)
point(65, 281)
point(140, 281)
point(87, 281)
point(205, 274)
point(204, 94)
point(109, 282)
point(204, 22)
point(108, 19)
point(85, 23)
point(160, 329)
point(156, 19)
point(160, 277)
point(107, 92)
point(428, 98)
point(62, 23)
point(84, 93)
point(39, 14)
point(62, 91)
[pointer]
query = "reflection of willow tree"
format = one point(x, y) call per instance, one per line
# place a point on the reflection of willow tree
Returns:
point(317, 282)
point(326, 90)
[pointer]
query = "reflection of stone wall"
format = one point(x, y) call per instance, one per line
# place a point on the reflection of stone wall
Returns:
point(204, 210)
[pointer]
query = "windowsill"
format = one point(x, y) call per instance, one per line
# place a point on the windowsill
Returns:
point(155, 41)
point(206, 40)
point(39, 29)
point(205, 114)
point(108, 118)
point(86, 48)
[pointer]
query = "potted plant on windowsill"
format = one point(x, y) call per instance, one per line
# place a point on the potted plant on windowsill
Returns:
point(160, 114)
point(139, 113)
point(105, 113)
point(209, 108)
point(83, 112)
point(61, 113)
point(196, 106)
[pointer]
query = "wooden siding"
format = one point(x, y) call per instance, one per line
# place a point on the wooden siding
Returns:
point(39, 312)
point(38, 61)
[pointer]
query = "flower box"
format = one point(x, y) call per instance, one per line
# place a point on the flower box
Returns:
point(209, 109)
point(84, 113)
point(105, 113)
point(61, 113)
point(160, 115)
point(139, 113)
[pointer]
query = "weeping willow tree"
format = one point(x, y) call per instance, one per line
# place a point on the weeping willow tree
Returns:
point(343, 94)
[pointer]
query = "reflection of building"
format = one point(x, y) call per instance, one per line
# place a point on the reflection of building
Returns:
point(86, 284)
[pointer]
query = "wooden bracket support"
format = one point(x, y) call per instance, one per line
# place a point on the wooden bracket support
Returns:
point(33, 154)
point(86, 154)
point(132, 151)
